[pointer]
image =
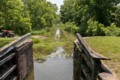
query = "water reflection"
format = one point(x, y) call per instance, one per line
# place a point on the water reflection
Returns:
point(57, 34)
point(56, 67)
point(59, 53)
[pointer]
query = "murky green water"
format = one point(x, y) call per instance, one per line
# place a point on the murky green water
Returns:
point(54, 69)
point(57, 66)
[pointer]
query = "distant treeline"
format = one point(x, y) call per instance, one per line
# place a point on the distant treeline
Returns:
point(93, 17)
point(22, 16)
point(89, 17)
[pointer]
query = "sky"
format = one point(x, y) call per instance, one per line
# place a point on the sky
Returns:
point(58, 2)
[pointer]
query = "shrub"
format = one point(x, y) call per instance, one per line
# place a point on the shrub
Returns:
point(95, 28)
point(70, 27)
point(23, 27)
point(39, 32)
point(36, 40)
point(112, 30)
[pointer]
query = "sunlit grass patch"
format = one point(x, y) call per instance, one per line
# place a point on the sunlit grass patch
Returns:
point(5, 41)
point(109, 46)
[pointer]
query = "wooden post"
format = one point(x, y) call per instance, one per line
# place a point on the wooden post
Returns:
point(87, 63)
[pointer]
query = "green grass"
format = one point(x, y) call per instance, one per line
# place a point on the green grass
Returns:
point(108, 46)
point(44, 47)
point(4, 41)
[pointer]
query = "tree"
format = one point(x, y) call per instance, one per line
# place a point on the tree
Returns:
point(42, 13)
point(117, 16)
point(11, 15)
point(81, 11)
point(67, 11)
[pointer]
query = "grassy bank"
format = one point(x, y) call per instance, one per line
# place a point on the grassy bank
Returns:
point(109, 47)
point(4, 41)
point(45, 44)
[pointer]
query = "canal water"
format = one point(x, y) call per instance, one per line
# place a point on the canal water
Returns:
point(58, 66)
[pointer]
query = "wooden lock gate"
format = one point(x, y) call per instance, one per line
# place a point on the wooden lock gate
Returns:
point(87, 63)
point(16, 59)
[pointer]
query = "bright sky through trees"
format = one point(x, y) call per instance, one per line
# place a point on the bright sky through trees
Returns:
point(58, 2)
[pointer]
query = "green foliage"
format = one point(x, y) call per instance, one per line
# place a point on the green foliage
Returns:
point(42, 31)
point(117, 16)
point(112, 30)
point(36, 32)
point(42, 13)
point(98, 29)
point(70, 27)
point(2, 20)
point(81, 11)
point(36, 40)
point(24, 26)
point(23, 15)
point(67, 11)
point(12, 16)
point(95, 28)
point(39, 32)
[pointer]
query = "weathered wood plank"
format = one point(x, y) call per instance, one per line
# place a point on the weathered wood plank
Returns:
point(88, 63)
point(97, 55)
point(91, 66)
point(6, 58)
point(105, 76)
point(86, 58)
point(14, 78)
point(11, 63)
point(104, 68)
point(24, 59)
point(7, 72)
point(12, 45)
point(89, 51)
point(88, 77)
